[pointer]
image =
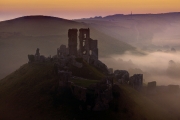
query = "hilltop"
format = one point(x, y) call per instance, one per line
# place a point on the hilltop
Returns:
point(31, 93)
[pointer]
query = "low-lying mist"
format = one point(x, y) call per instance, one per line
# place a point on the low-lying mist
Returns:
point(161, 67)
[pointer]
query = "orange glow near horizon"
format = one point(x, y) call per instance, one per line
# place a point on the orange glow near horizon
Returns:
point(85, 8)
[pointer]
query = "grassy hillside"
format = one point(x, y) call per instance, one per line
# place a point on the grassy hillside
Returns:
point(22, 36)
point(87, 71)
point(31, 93)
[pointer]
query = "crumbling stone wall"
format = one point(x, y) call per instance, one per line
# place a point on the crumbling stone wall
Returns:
point(151, 85)
point(173, 88)
point(122, 76)
point(136, 81)
point(93, 46)
point(62, 51)
point(87, 46)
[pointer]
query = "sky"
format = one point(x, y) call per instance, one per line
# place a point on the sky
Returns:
point(73, 9)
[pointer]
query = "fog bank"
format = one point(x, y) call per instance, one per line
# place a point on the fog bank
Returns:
point(162, 67)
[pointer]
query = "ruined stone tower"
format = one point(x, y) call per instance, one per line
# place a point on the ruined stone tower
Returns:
point(72, 41)
point(87, 46)
point(84, 35)
point(37, 55)
point(93, 46)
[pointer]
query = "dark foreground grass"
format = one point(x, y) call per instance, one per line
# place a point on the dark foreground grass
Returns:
point(31, 92)
point(138, 106)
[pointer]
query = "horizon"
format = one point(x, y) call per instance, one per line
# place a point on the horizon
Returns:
point(15, 17)
point(83, 9)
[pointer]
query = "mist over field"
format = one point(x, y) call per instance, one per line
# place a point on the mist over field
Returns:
point(162, 67)
point(156, 36)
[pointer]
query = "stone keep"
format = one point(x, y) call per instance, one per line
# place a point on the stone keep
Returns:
point(87, 46)
point(72, 41)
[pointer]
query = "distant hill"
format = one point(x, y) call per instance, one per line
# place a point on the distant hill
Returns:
point(31, 92)
point(21, 36)
point(140, 30)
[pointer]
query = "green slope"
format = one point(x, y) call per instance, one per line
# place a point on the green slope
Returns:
point(31, 93)
point(26, 92)
point(87, 71)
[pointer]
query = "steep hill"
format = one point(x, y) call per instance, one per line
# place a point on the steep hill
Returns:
point(31, 93)
point(21, 36)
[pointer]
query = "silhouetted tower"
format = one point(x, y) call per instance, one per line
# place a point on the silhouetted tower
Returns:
point(37, 52)
point(37, 55)
point(72, 41)
point(93, 46)
point(84, 36)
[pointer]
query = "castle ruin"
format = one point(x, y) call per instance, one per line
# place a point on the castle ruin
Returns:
point(88, 48)
point(72, 41)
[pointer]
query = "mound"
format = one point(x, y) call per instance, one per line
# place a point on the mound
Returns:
point(31, 93)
